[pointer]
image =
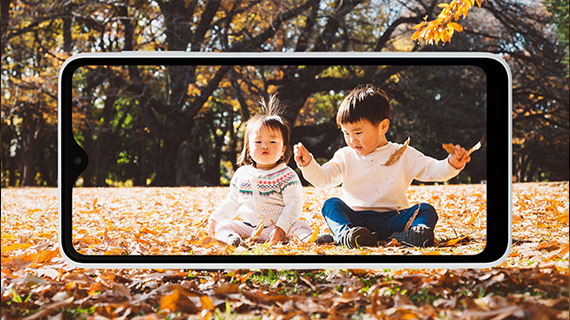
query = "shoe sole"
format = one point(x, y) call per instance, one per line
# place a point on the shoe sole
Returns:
point(415, 237)
point(361, 237)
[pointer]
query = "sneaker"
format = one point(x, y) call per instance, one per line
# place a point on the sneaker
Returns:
point(357, 237)
point(324, 238)
point(418, 236)
point(233, 240)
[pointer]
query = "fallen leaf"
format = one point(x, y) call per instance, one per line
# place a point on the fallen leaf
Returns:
point(314, 236)
point(257, 231)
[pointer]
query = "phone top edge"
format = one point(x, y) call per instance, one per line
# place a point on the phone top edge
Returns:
point(184, 54)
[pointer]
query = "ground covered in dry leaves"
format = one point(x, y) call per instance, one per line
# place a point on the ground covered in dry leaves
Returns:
point(38, 284)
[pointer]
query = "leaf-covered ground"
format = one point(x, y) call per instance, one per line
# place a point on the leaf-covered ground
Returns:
point(38, 284)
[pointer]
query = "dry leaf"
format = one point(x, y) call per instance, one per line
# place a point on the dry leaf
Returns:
point(396, 155)
point(257, 231)
point(315, 235)
point(450, 148)
point(177, 301)
point(453, 242)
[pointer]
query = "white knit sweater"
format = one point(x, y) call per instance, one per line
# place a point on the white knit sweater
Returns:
point(272, 195)
point(368, 184)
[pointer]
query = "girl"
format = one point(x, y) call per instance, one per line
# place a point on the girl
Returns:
point(264, 189)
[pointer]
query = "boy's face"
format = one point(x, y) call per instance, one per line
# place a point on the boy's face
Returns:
point(266, 147)
point(364, 137)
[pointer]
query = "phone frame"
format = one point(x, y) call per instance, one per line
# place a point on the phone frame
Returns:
point(72, 160)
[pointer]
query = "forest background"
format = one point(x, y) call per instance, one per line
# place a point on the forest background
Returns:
point(185, 127)
point(165, 121)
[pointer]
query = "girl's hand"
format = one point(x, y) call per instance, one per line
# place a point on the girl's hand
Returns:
point(277, 235)
point(212, 228)
point(302, 155)
point(456, 160)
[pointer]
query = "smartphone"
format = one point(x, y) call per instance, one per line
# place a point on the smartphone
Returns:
point(148, 143)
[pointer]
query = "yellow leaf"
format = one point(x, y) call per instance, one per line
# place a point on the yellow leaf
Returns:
point(314, 236)
point(450, 31)
point(455, 26)
point(6, 236)
point(14, 247)
point(443, 5)
point(473, 217)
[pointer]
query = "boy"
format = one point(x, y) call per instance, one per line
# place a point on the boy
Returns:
point(373, 205)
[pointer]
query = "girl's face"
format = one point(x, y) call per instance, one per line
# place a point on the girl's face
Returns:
point(364, 137)
point(266, 147)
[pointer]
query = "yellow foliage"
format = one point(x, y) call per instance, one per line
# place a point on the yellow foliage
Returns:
point(443, 27)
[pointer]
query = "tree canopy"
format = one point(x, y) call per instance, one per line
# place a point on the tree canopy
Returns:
point(181, 125)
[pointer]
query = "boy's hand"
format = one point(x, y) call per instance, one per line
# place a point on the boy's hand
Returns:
point(212, 228)
point(277, 235)
point(459, 158)
point(302, 155)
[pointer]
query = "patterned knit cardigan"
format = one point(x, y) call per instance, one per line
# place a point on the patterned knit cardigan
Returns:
point(274, 196)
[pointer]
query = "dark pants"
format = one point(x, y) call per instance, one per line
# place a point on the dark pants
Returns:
point(339, 216)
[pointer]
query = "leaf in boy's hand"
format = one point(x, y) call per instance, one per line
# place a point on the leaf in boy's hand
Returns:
point(396, 155)
point(449, 147)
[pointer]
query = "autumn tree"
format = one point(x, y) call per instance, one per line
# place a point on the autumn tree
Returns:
point(30, 60)
point(184, 126)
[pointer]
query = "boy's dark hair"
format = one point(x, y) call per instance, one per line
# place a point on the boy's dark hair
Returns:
point(271, 118)
point(364, 103)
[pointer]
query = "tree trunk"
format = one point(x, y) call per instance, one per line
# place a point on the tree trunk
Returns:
point(165, 164)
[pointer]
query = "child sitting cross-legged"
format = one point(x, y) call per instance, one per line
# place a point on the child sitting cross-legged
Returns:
point(374, 205)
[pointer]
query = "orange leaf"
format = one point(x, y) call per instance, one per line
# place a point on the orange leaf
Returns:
point(178, 302)
point(206, 303)
point(14, 247)
point(456, 26)
point(453, 242)
point(258, 230)
point(563, 218)
point(449, 147)
point(417, 26)
point(450, 32)
point(418, 34)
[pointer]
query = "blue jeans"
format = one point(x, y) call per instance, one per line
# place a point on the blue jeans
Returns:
point(339, 217)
